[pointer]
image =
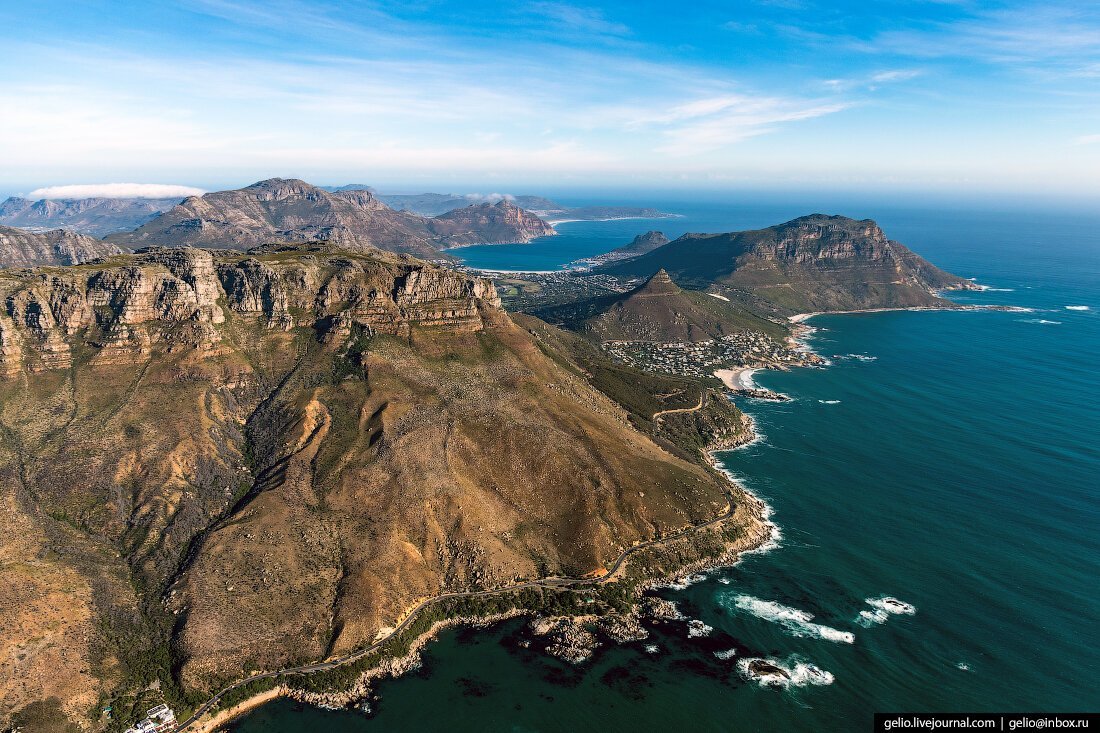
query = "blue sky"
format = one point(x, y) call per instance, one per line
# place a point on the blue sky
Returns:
point(891, 95)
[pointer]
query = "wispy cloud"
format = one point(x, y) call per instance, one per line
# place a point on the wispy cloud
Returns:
point(1087, 139)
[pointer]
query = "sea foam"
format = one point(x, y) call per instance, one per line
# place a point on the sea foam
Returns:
point(795, 621)
point(829, 402)
point(882, 608)
point(1077, 307)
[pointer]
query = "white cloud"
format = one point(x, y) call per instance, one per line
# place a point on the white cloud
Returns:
point(116, 191)
point(1087, 140)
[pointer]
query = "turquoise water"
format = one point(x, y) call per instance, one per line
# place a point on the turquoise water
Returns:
point(955, 467)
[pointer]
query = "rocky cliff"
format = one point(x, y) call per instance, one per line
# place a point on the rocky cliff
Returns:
point(813, 263)
point(293, 211)
point(219, 461)
point(21, 248)
point(95, 216)
point(499, 223)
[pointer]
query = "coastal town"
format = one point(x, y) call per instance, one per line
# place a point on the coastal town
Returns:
point(700, 359)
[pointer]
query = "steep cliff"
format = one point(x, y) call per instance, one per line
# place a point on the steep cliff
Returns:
point(813, 263)
point(20, 248)
point(218, 461)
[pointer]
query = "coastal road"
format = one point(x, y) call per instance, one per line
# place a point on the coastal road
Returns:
point(549, 583)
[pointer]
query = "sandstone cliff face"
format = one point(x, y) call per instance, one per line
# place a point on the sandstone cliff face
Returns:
point(224, 461)
point(499, 223)
point(180, 293)
point(21, 248)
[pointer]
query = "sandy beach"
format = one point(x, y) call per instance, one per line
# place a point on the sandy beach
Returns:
point(740, 378)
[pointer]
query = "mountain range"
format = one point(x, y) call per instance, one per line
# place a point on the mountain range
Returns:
point(95, 216)
point(292, 211)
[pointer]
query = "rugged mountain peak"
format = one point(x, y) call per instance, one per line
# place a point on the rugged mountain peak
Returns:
point(659, 284)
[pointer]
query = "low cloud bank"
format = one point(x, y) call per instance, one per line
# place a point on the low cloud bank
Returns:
point(116, 191)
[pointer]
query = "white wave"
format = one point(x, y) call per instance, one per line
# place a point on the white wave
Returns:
point(857, 357)
point(872, 617)
point(796, 621)
point(724, 581)
point(1077, 307)
point(891, 605)
point(652, 648)
point(682, 583)
point(726, 654)
point(990, 289)
point(697, 628)
point(963, 666)
point(793, 672)
point(1042, 321)
point(829, 402)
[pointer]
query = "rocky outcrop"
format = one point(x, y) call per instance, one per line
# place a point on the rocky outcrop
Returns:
point(21, 248)
point(95, 216)
point(499, 223)
point(176, 296)
point(566, 638)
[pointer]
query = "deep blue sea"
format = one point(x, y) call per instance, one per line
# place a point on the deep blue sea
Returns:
point(946, 459)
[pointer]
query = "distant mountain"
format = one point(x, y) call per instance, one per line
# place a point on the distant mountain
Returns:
point(600, 213)
point(293, 211)
point(499, 223)
point(434, 204)
point(642, 244)
point(20, 248)
point(813, 263)
point(659, 311)
point(95, 216)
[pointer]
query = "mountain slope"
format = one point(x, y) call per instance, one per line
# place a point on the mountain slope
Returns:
point(660, 311)
point(499, 223)
point(95, 216)
point(20, 248)
point(813, 263)
point(292, 211)
point(640, 245)
point(217, 463)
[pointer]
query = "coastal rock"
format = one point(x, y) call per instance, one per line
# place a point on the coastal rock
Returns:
point(623, 628)
point(569, 639)
point(660, 609)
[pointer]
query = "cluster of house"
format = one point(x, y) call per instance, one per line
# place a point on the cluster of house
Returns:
point(160, 719)
point(748, 348)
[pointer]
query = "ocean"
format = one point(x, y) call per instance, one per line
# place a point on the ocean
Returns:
point(948, 460)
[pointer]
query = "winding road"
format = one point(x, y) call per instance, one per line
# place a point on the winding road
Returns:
point(411, 616)
point(702, 396)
